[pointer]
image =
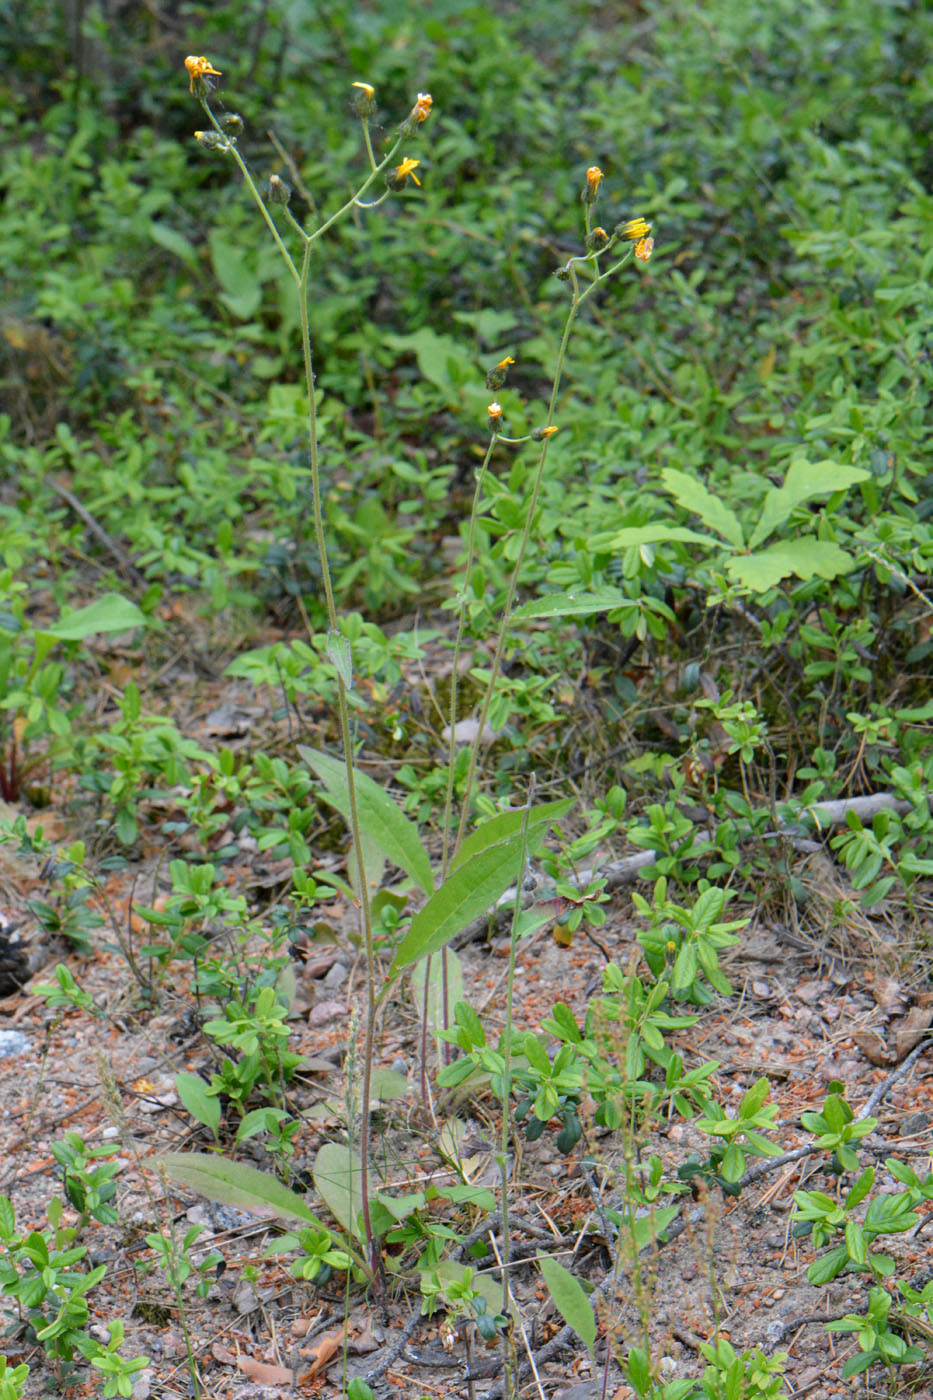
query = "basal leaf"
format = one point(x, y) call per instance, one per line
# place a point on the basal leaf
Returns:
point(468, 892)
point(379, 817)
point(570, 1299)
point(111, 613)
point(338, 1176)
point(505, 824)
point(236, 1184)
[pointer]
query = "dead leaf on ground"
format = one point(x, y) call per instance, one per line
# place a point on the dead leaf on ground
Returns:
point(324, 1350)
point(912, 1030)
point(258, 1370)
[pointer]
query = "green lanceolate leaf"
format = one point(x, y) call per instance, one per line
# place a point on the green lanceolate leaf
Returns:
point(469, 891)
point(379, 817)
point(505, 824)
point(570, 1299)
point(236, 1184)
point(338, 1176)
point(574, 604)
point(111, 613)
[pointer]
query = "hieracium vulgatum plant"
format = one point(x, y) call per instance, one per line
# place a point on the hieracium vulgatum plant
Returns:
point(473, 874)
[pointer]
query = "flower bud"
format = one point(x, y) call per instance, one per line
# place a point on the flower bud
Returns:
point(499, 373)
point(539, 434)
point(596, 240)
point(562, 274)
point(363, 100)
point(232, 123)
point(495, 416)
point(278, 192)
point(593, 177)
point(212, 140)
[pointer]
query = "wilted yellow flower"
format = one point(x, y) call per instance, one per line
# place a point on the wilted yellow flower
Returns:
point(635, 230)
point(644, 248)
point(422, 108)
point(199, 70)
point(538, 433)
point(593, 177)
point(396, 177)
point(366, 88)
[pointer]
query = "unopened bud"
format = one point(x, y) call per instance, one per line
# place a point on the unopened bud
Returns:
point(278, 191)
point(363, 99)
point(538, 434)
point(495, 416)
point(596, 240)
point(232, 123)
point(211, 140)
point(593, 177)
point(499, 373)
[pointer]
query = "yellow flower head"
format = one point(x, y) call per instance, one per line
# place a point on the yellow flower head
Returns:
point(396, 177)
point(644, 248)
point(366, 88)
point(495, 414)
point(200, 71)
point(635, 230)
point(593, 177)
point(422, 108)
point(504, 364)
point(538, 434)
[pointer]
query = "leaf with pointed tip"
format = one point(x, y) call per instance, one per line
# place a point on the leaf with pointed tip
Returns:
point(387, 827)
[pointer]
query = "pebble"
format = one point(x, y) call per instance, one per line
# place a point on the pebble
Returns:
point(12, 1043)
point(142, 1385)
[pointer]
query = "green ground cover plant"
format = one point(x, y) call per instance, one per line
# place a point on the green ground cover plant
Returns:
point(602, 366)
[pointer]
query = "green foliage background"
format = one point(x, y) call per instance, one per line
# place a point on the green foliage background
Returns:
point(149, 352)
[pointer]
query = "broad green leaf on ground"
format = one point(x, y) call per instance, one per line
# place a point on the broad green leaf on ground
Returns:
point(574, 604)
point(386, 826)
point(200, 1104)
point(805, 557)
point(694, 496)
point(467, 893)
point(484, 1284)
point(242, 289)
point(570, 1299)
point(803, 481)
point(111, 613)
point(236, 1184)
point(175, 242)
point(338, 1177)
point(505, 824)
